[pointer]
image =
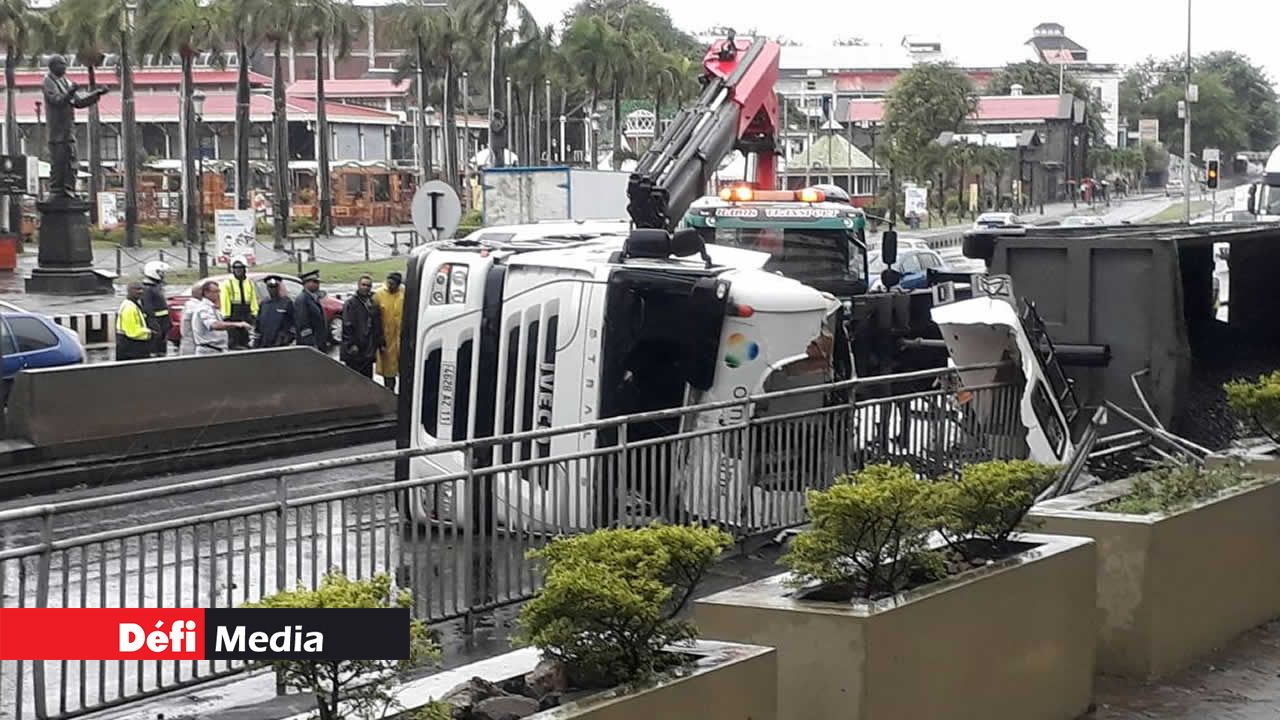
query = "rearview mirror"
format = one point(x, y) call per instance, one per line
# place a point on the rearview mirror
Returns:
point(889, 247)
point(1253, 199)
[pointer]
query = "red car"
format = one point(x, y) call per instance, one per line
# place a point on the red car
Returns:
point(292, 286)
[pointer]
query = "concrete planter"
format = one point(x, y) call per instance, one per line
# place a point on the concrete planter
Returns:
point(727, 682)
point(1172, 588)
point(1014, 640)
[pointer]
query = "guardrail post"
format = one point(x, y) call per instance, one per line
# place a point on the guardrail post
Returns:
point(395, 243)
point(748, 456)
point(365, 235)
point(188, 256)
point(282, 545)
point(312, 252)
point(119, 259)
point(620, 487)
point(470, 521)
point(42, 600)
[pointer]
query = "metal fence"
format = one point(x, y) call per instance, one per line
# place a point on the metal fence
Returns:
point(746, 470)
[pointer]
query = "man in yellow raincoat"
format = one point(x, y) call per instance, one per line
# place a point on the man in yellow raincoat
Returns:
point(390, 301)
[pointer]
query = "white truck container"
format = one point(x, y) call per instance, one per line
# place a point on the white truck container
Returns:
point(520, 195)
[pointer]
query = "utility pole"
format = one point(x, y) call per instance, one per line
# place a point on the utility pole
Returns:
point(1186, 132)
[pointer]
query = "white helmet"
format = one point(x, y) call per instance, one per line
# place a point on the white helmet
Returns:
point(155, 270)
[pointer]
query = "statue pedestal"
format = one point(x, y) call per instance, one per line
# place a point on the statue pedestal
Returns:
point(66, 255)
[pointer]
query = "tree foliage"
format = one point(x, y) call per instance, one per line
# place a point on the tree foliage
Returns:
point(925, 101)
point(363, 686)
point(610, 599)
point(1257, 404)
point(1238, 108)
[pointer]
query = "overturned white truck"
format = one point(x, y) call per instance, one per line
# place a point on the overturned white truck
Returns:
point(556, 337)
point(506, 337)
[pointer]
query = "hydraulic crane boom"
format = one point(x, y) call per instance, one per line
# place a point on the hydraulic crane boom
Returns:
point(737, 109)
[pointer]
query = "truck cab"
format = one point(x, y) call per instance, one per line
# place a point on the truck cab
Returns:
point(1263, 199)
point(806, 237)
point(507, 337)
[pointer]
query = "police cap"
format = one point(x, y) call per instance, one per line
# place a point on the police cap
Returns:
point(310, 275)
point(272, 281)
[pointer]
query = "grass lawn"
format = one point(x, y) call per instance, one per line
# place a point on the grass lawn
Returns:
point(1173, 213)
point(330, 273)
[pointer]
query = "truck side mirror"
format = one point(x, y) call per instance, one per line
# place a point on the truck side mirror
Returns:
point(1253, 199)
point(889, 247)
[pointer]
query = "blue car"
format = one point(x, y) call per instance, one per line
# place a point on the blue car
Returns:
point(915, 259)
point(30, 340)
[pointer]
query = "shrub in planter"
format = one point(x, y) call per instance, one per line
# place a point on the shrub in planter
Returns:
point(610, 600)
point(1170, 488)
point(870, 533)
point(1186, 558)
point(1257, 404)
point(912, 575)
point(356, 688)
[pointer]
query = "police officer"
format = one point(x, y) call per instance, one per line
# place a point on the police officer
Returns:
point(133, 337)
point(308, 314)
point(156, 306)
point(275, 317)
point(239, 303)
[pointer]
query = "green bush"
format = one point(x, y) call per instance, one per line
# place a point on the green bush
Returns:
point(611, 597)
point(363, 685)
point(472, 217)
point(303, 225)
point(264, 227)
point(869, 531)
point(989, 500)
point(1170, 488)
point(1257, 404)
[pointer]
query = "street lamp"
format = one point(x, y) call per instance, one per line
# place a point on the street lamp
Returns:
point(563, 120)
point(548, 89)
point(197, 109)
point(428, 153)
point(595, 137)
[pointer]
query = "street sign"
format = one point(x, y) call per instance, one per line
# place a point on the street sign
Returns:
point(1149, 130)
point(436, 211)
point(19, 175)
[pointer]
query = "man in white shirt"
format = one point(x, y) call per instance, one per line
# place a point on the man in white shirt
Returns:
point(187, 340)
point(208, 329)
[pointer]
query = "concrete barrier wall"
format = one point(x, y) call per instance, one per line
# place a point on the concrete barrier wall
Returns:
point(180, 402)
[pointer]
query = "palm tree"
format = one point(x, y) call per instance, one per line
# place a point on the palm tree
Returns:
point(279, 21)
point(339, 23)
point(184, 28)
point(491, 18)
point(587, 43)
point(436, 39)
point(20, 27)
point(240, 24)
point(534, 60)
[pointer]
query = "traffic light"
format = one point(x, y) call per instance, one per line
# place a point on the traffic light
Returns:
point(1211, 175)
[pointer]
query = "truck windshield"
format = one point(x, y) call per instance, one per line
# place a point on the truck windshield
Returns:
point(1271, 200)
point(829, 260)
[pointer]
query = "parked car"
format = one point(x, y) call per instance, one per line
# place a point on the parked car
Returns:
point(292, 286)
point(915, 259)
point(997, 219)
point(1082, 221)
point(32, 341)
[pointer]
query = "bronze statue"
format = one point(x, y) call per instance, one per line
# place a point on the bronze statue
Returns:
point(62, 97)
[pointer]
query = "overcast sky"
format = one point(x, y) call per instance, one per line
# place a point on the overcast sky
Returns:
point(1122, 31)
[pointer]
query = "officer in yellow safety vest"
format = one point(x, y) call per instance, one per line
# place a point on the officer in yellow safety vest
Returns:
point(133, 337)
point(239, 303)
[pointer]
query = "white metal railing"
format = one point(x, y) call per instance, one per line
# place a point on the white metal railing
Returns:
point(223, 541)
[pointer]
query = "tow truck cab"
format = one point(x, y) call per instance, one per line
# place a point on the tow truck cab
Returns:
point(806, 237)
point(507, 337)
